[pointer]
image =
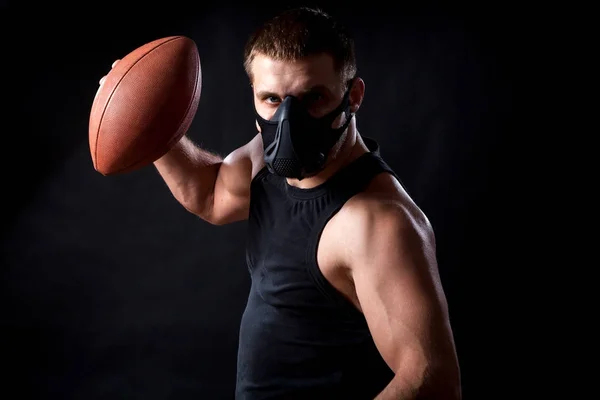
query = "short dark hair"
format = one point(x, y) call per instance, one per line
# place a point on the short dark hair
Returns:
point(300, 32)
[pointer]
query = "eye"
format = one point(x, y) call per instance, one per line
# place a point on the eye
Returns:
point(272, 100)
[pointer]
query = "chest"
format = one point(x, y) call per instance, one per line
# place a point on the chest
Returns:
point(292, 251)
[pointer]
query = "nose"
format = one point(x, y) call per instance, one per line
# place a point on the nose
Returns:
point(283, 111)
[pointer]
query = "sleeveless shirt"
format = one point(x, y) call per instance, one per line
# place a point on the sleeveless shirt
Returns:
point(299, 337)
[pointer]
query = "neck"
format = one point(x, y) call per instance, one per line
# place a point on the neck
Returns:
point(351, 147)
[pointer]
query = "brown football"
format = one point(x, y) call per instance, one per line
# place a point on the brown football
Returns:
point(145, 105)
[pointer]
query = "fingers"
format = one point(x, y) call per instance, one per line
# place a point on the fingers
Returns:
point(112, 66)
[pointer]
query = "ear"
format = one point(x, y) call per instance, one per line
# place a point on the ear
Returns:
point(357, 93)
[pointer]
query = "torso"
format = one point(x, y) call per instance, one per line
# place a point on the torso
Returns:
point(298, 278)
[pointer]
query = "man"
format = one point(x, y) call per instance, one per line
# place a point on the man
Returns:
point(346, 301)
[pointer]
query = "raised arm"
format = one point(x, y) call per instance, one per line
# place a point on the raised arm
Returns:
point(215, 189)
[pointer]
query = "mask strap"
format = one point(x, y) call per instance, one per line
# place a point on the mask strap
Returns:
point(343, 106)
point(337, 132)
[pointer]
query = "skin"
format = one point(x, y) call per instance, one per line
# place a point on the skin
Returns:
point(378, 251)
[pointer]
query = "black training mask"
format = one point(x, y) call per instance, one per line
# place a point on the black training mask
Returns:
point(296, 144)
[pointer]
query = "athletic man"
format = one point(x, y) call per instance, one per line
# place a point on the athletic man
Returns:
point(346, 300)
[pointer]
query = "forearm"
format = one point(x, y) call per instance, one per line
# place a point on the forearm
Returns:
point(190, 173)
point(399, 389)
point(430, 385)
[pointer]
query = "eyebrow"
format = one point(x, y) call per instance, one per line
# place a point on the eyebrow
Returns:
point(263, 94)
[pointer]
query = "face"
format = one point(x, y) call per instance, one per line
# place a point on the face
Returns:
point(312, 80)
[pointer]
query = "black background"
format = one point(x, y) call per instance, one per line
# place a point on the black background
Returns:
point(110, 289)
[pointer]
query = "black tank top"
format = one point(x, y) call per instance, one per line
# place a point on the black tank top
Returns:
point(299, 337)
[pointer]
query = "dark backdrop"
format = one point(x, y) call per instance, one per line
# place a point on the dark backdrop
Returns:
point(110, 289)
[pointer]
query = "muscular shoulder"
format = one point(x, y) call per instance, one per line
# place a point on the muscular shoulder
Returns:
point(382, 215)
point(384, 202)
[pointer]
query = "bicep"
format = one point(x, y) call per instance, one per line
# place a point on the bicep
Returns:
point(232, 186)
point(397, 285)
